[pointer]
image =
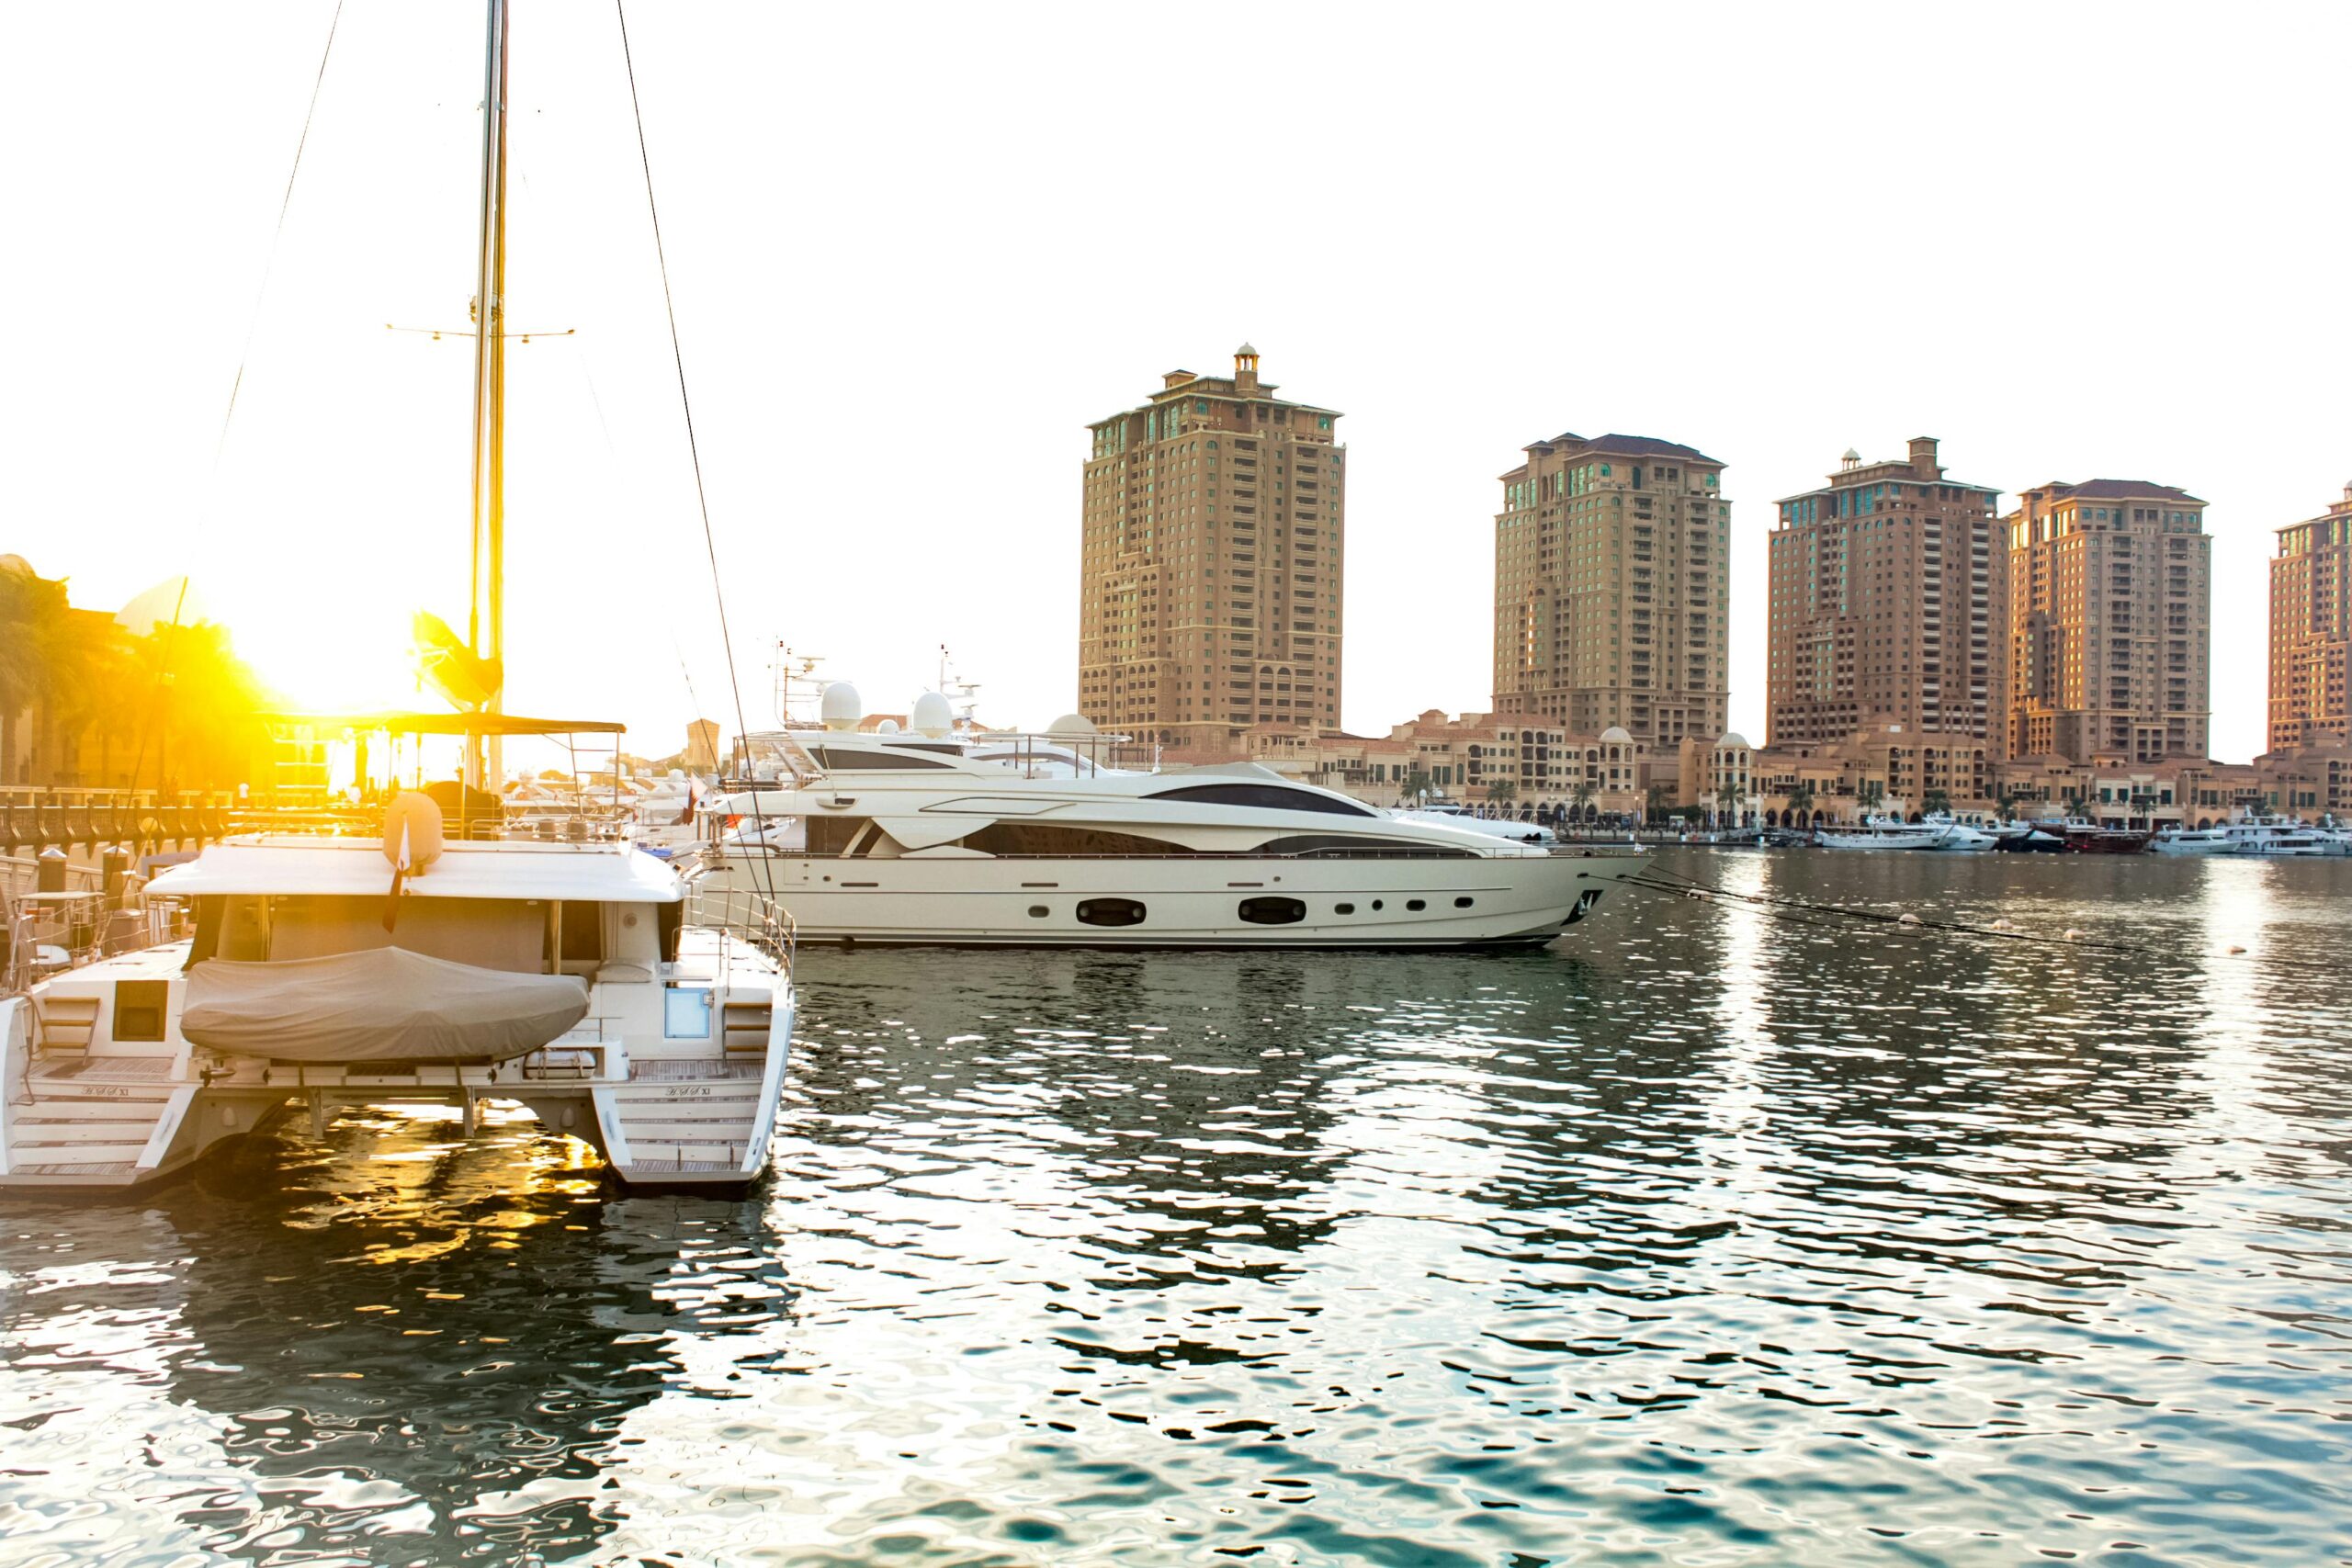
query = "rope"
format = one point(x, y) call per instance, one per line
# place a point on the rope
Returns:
point(237, 385)
point(694, 449)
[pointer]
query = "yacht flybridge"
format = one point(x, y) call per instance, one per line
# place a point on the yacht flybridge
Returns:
point(942, 836)
point(562, 976)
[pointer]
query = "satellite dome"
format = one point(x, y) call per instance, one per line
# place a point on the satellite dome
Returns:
point(840, 708)
point(887, 726)
point(932, 716)
point(170, 599)
point(1071, 723)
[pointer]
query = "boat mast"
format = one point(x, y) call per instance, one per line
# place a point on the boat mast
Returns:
point(486, 616)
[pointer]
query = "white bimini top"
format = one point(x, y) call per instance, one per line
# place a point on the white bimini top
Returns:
point(298, 866)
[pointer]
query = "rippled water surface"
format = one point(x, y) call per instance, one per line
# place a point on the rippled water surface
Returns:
point(1712, 1238)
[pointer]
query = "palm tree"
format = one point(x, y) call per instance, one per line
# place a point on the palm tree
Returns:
point(1800, 798)
point(2007, 806)
point(32, 609)
point(1872, 792)
point(1727, 804)
point(1416, 783)
point(1581, 796)
point(205, 703)
point(1503, 792)
point(1936, 802)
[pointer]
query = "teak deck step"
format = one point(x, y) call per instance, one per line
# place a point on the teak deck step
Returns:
point(66, 1023)
point(41, 1152)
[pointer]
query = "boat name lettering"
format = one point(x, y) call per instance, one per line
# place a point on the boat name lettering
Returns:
point(688, 1091)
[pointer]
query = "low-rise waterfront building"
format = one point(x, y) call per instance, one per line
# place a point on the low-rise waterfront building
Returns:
point(1491, 759)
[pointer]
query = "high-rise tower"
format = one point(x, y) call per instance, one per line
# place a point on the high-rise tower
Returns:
point(1888, 602)
point(1210, 553)
point(2311, 628)
point(1611, 590)
point(2110, 585)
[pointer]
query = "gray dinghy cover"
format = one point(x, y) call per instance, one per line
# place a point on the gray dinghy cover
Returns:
point(385, 1004)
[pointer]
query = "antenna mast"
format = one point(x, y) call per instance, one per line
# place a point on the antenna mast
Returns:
point(486, 616)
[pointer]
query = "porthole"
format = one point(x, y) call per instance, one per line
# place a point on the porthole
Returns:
point(1343, 909)
point(1463, 903)
point(1038, 911)
point(1417, 905)
point(1273, 911)
point(1375, 904)
point(1109, 912)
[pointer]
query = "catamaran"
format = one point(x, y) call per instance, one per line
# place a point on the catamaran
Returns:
point(426, 966)
point(560, 976)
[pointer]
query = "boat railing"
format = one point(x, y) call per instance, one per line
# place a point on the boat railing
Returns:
point(46, 933)
point(754, 916)
point(17, 954)
point(21, 873)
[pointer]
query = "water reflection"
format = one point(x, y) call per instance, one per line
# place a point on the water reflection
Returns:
point(380, 1348)
point(1723, 1235)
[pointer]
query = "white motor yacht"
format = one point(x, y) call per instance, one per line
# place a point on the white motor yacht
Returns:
point(2279, 837)
point(1949, 833)
point(1881, 835)
point(2187, 841)
point(942, 837)
point(559, 974)
point(2267, 837)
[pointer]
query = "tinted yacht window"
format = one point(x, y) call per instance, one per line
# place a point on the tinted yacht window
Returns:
point(841, 758)
point(1270, 797)
point(1358, 846)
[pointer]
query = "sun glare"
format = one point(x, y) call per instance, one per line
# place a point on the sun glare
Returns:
point(321, 655)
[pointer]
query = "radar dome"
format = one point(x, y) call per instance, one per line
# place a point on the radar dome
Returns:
point(840, 708)
point(933, 716)
point(885, 727)
point(1071, 723)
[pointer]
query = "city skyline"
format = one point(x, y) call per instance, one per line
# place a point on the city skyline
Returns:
point(1452, 315)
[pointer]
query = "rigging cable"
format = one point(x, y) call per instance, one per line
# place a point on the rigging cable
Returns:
point(693, 450)
point(236, 385)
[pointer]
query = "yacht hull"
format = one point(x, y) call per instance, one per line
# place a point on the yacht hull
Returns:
point(1207, 901)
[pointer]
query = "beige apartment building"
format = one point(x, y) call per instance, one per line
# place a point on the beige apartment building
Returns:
point(1210, 558)
point(2110, 586)
point(1491, 759)
point(2311, 628)
point(1611, 590)
point(1888, 604)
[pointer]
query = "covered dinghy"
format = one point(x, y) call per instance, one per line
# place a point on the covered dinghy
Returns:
point(384, 1004)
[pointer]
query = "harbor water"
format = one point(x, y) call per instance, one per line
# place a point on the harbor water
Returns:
point(1714, 1236)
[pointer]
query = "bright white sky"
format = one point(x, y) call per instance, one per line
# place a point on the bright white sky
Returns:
point(917, 248)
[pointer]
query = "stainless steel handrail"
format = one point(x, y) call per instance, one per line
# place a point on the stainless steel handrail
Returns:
point(759, 919)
